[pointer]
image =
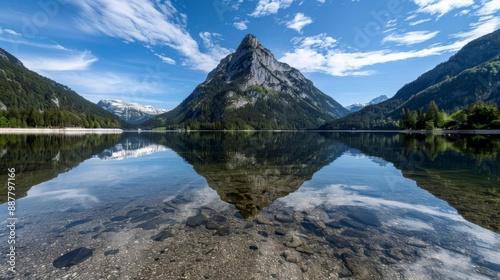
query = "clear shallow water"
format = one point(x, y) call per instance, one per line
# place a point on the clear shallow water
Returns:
point(256, 205)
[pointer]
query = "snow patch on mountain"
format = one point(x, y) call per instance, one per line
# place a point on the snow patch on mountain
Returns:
point(358, 106)
point(131, 112)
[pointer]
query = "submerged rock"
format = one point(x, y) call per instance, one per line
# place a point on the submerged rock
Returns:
point(76, 223)
point(154, 223)
point(354, 233)
point(284, 218)
point(352, 224)
point(223, 231)
point(365, 216)
point(111, 252)
point(168, 210)
point(197, 220)
point(290, 256)
point(73, 258)
point(314, 227)
point(219, 219)
point(294, 242)
point(162, 235)
point(261, 219)
point(144, 217)
point(119, 218)
point(134, 213)
point(337, 241)
point(212, 225)
point(112, 229)
point(279, 231)
point(334, 224)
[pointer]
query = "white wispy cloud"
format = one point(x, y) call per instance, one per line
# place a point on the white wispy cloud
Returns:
point(268, 7)
point(462, 13)
point(63, 61)
point(298, 22)
point(410, 38)
point(489, 7)
point(321, 41)
point(17, 40)
point(150, 22)
point(336, 62)
point(417, 22)
point(10, 31)
point(210, 42)
point(165, 59)
point(483, 26)
point(441, 7)
point(241, 25)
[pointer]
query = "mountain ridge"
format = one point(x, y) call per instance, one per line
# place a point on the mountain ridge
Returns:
point(31, 100)
point(250, 89)
point(469, 76)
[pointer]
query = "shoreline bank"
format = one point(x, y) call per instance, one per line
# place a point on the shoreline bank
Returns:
point(67, 130)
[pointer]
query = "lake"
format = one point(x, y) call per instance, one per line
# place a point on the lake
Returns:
point(251, 205)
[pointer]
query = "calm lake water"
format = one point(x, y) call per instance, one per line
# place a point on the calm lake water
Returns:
point(244, 205)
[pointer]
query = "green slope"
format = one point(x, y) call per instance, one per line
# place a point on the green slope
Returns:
point(29, 99)
point(469, 76)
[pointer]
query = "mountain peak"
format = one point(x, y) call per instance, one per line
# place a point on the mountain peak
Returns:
point(249, 41)
point(254, 65)
point(250, 89)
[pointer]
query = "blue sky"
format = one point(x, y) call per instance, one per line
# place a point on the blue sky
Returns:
point(155, 52)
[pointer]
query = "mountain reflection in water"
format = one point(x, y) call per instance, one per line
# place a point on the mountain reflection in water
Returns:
point(271, 204)
point(251, 170)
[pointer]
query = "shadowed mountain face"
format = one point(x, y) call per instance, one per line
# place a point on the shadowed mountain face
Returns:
point(251, 170)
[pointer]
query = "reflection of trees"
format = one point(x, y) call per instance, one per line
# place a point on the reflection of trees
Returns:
point(251, 170)
point(39, 158)
point(464, 170)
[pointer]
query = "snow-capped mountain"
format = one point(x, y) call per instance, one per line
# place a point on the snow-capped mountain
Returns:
point(358, 106)
point(130, 112)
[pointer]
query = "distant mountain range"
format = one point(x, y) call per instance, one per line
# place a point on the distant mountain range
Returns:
point(358, 106)
point(250, 89)
point(133, 113)
point(28, 99)
point(469, 76)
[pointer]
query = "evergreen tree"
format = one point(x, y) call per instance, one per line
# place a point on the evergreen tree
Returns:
point(433, 115)
point(421, 119)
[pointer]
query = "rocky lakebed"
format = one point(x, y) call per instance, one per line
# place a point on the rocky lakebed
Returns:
point(174, 239)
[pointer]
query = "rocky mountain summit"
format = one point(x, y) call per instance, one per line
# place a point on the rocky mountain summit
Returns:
point(250, 89)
